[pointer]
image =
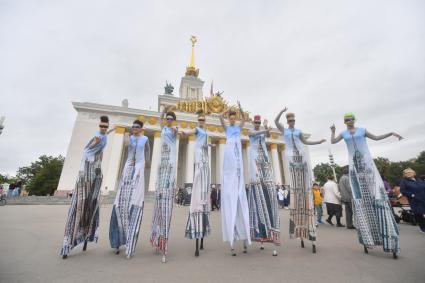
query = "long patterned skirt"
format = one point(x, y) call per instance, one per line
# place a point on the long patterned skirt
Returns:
point(373, 216)
point(164, 199)
point(302, 223)
point(83, 215)
point(198, 222)
point(264, 217)
point(127, 212)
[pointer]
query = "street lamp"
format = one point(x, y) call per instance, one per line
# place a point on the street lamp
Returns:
point(332, 162)
point(1, 124)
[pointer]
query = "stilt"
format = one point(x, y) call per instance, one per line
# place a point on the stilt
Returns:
point(64, 256)
point(85, 246)
point(365, 250)
point(302, 243)
point(164, 259)
point(314, 248)
point(245, 248)
point(202, 244)
point(197, 248)
point(232, 251)
point(117, 251)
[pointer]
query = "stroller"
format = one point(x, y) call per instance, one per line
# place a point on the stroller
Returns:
point(403, 213)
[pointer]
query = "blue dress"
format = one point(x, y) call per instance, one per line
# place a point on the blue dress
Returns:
point(127, 210)
point(82, 223)
point(262, 199)
point(164, 191)
point(373, 216)
point(302, 223)
point(198, 222)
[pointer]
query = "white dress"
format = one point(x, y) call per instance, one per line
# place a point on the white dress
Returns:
point(234, 204)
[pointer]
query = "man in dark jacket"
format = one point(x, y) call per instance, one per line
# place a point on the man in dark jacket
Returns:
point(414, 189)
point(214, 198)
point(346, 197)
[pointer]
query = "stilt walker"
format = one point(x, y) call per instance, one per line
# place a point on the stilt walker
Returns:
point(127, 211)
point(234, 204)
point(373, 216)
point(165, 185)
point(264, 217)
point(83, 215)
point(302, 222)
point(198, 222)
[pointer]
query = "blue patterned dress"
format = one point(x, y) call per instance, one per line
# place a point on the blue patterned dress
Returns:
point(164, 191)
point(198, 222)
point(373, 216)
point(127, 211)
point(83, 215)
point(264, 217)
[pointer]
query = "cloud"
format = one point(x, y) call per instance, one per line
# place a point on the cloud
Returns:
point(319, 58)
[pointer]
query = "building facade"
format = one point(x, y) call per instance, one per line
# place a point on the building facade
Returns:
point(185, 105)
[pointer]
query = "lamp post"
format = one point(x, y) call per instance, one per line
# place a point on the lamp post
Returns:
point(332, 162)
point(1, 124)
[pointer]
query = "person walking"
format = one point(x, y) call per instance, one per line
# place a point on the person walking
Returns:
point(346, 198)
point(332, 199)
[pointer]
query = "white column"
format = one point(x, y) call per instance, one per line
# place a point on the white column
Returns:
point(245, 158)
point(275, 162)
point(209, 157)
point(285, 168)
point(156, 157)
point(177, 158)
point(112, 170)
point(190, 158)
point(220, 157)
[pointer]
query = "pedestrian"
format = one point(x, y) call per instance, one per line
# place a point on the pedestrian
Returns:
point(414, 189)
point(318, 202)
point(346, 198)
point(332, 198)
point(214, 198)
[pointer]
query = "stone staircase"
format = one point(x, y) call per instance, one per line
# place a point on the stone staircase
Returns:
point(61, 200)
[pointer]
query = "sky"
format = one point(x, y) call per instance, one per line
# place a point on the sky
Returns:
point(318, 58)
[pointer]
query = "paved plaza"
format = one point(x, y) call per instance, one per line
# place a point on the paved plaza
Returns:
point(31, 237)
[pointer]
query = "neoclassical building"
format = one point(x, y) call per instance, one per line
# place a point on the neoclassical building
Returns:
point(185, 105)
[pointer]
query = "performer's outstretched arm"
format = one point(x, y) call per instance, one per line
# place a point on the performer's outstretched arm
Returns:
point(185, 133)
point(242, 124)
point(381, 137)
point(276, 120)
point(333, 138)
point(307, 142)
point(221, 116)
point(256, 133)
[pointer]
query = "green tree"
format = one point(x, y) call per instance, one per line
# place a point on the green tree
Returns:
point(42, 176)
point(323, 170)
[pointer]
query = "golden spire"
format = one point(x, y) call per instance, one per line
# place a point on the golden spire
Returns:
point(191, 69)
